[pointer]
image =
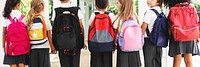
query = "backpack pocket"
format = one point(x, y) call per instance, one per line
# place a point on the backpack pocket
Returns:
point(18, 48)
point(187, 34)
point(67, 40)
point(131, 39)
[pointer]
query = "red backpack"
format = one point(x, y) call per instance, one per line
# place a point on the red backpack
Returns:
point(101, 34)
point(17, 38)
point(184, 22)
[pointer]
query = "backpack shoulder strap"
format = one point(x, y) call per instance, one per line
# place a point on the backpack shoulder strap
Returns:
point(96, 13)
point(11, 19)
point(21, 17)
point(44, 25)
point(154, 10)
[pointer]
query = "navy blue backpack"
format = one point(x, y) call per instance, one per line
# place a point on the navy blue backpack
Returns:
point(159, 35)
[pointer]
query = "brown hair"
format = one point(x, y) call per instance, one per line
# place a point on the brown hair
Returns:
point(37, 6)
point(101, 4)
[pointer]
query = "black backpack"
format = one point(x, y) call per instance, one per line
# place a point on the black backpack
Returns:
point(66, 33)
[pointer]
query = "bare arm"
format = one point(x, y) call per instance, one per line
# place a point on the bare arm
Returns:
point(4, 37)
point(82, 32)
point(53, 51)
point(144, 27)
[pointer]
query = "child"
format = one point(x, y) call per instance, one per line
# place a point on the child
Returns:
point(39, 54)
point(126, 11)
point(12, 9)
point(152, 53)
point(68, 57)
point(100, 58)
point(178, 49)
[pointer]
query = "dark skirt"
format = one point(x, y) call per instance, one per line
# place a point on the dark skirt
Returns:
point(39, 57)
point(15, 59)
point(176, 47)
point(69, 60)
point(128, 59)
point(101, 59)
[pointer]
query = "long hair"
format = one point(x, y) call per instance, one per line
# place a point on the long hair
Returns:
point(37, 6)
point(171, 3)
point(10, 4)
point(127, 10)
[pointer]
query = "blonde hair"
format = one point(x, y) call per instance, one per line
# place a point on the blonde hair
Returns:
point(37, 6)
point(127, 10)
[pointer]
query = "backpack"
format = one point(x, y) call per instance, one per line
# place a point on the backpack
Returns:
point(37, 33)
point(130, 36)
point(101, 35)
point(67, 35)
point(159, 35)
point(184, 22)
point(17, 39)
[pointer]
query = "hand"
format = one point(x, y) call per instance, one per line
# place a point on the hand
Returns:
point(198, 41)
point(84, 47)
point(53, 50)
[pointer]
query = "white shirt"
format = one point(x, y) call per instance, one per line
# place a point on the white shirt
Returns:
point(111, 15)
point(14, 13)
point(66, 5)
point(150, 17)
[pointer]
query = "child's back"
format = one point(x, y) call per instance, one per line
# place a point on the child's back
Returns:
point(101, 54)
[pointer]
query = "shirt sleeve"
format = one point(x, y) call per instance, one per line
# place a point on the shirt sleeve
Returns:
point(112, 17)
point(80, 16)
point(4, 24)
point(48, 24)
point(91, 18)
point(147, 16)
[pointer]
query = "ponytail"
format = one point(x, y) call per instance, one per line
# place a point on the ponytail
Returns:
point(31, 15)
point(37, 6)
point(10, 4)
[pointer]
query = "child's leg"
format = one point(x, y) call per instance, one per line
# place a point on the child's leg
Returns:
point(158, 57)
point(21, 65)
point(96, 59)
point(188, 60)
point(13, 65)
point(107, 59)
point(177, 60)
point(76, 59)
point(149, 51)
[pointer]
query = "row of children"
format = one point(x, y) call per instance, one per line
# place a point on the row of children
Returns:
point(105, 34)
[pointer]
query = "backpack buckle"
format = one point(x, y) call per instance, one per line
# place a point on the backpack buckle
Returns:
point(66, 51)
point(66, 29)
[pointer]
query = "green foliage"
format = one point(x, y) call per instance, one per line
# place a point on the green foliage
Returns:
point(113, 9)
point(197, 6)
point(25, 6)
point(136, 5)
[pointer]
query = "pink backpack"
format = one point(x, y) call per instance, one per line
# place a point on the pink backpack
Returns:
point(130, 36)
point(17, 39)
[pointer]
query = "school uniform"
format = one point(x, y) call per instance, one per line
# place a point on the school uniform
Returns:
point(14, 59)
point(187, 47)
point(101, 59)
point(127, 59)
point(68, 60)
point(39, 54)
point(152, 53)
